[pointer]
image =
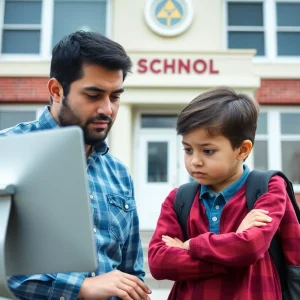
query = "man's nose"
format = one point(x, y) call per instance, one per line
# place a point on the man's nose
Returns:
point(104, 107)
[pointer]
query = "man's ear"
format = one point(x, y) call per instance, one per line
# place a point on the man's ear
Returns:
point(56, 90)
point(244, 150)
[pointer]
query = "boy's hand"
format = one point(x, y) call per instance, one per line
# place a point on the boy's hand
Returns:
point(256, 217)
point(170, 242)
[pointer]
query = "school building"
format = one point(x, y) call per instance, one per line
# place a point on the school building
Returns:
point(180, 48)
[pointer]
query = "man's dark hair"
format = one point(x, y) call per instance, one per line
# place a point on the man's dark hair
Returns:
point(221, 111)
point(80, 47)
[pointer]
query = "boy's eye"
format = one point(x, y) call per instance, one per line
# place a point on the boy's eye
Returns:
point(208, 151)
point(188, 150)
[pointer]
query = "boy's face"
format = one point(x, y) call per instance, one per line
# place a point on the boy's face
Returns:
point(210, 160)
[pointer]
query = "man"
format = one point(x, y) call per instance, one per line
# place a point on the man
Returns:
point(86, 82)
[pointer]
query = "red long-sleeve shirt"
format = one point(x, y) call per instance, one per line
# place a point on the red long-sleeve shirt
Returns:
point(229, 265)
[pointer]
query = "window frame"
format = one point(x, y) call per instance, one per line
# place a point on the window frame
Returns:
point(38, 108)
point(274, 137)
point(46, 29)
point(270, 30)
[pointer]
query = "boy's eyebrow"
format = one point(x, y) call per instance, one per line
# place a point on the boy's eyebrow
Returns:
point(99, 90)
point(201, 145)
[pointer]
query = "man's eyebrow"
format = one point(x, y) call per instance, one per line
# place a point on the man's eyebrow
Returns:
point(99, 90)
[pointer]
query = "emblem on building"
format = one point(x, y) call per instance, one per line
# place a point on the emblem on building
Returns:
point(169, 17)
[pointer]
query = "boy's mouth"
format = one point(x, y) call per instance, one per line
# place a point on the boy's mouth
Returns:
point(199, 174)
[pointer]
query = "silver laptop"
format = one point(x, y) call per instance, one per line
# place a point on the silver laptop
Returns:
point(50, 224)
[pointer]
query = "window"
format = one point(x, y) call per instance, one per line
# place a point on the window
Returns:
point(12, 115)
point(246, 26)
point(271, 27)
point(22, 27)
point(288, 28)
point(277, 144)
point(158, 121)
point(33, 27)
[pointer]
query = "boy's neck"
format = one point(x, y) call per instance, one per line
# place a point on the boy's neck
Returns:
point(217, 188)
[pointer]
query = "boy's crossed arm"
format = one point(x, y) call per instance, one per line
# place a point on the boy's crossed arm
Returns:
point(255, 218)
point(244, 247)
point(173, 263)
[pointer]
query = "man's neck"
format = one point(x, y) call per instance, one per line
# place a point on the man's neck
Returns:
point(88, 150)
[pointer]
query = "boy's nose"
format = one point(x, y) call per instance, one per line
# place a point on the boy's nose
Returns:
point(197, 161)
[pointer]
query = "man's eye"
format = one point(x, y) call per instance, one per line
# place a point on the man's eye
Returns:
point(92, 96)
point(209, 152)
point(115, 97)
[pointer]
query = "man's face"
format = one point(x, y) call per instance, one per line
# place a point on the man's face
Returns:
point(93, 102)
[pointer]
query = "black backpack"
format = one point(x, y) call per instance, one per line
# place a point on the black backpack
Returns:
point(257, 185)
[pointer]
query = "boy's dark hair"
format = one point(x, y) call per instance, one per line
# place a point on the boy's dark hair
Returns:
point(221, 111)
point(81, 47)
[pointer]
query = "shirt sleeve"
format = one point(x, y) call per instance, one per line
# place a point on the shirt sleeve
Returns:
point(245, 248)
point(174, 263)
point(132, 252)
point(61, 286)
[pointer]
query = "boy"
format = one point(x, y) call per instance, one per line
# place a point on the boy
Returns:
point(226, 256)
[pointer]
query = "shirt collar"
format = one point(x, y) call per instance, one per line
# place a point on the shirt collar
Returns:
point(48, 122)
point(231, 190)
point(46, 119)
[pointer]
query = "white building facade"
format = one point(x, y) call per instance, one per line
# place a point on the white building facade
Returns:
point(180, 48)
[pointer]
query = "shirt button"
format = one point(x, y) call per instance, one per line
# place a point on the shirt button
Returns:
point(126, 206)
point(215, 219)
point(91, 196)
point(93, 274)
point(217, 207)
point(95, 230)
point(61, 298)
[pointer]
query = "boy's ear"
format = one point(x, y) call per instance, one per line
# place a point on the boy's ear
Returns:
point(56, 90)
point(244, 150)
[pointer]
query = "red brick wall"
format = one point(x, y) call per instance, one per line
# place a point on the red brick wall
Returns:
point(34, 90)
point(23, 89)
point(279, 92)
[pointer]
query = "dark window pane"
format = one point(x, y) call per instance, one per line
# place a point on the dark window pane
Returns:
point(158, 162)
point(262, 124)
point(247, 40)
point(21, 41)
point(23, 12)
point(260, 155)
point(11, 118)
point(288, 14)
point(288, 43)
point(159, 121)
point(291, 160)
point(290, 123)
point(78, 15)
point(245, 14)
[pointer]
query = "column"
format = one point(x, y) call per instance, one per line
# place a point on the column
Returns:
point(121, 138)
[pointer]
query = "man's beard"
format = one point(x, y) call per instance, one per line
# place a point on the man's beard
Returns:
point(67, 117)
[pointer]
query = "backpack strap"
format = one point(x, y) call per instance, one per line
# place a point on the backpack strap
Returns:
point(183, 202)
point(257, 185)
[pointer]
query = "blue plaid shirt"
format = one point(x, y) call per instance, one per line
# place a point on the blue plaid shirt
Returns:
point(214, 203)
point(116, 225)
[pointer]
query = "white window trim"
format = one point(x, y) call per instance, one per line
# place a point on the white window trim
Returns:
point(274, 136)
point(46, 28)
point(38, 108)
point(270, 30)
